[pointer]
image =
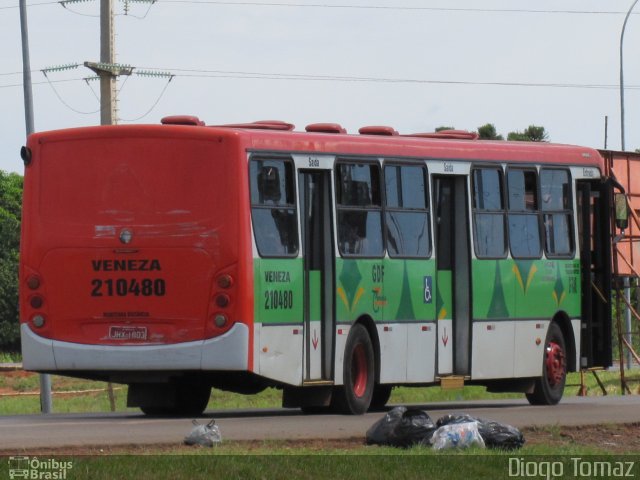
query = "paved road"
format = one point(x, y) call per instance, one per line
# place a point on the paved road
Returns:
point(59, 430)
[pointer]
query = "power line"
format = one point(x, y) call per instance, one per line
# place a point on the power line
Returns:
point(362, 7)
point(398, 8)
point(246, 75)
point(65, 103)
point(29, 5)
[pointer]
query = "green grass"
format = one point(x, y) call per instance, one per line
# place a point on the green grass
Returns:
point(8, 357)
point(276, 460)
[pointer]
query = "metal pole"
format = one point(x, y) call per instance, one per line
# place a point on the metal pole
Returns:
point(627, 318)
point(26, 69)
point(624, 26)
point(45, 379)
point(606, 130)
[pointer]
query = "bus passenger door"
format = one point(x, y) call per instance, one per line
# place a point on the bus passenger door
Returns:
point(594, 239)
point(318, 258)
point(453, 278)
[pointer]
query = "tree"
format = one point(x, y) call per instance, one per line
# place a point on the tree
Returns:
point(532, 133)
point(488, 132)
point(439, 129)
point(10, 215)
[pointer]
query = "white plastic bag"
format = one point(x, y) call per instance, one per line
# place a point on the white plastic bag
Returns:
point(205, 435)
point(457, 435)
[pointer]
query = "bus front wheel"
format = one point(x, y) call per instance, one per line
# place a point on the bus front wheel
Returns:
point(358, 373)
point(549, 387)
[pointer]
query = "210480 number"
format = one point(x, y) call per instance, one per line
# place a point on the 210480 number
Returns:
point(278, 299)
point(123, 287)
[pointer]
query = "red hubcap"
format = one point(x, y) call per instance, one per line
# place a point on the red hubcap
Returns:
point(555, 363)
point(359, 373)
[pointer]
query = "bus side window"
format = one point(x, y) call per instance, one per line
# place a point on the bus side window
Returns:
point(555, 188)
point(273, 208)
point(406, 211)
point(524, 218)
point(359, 210)
point(488, 213)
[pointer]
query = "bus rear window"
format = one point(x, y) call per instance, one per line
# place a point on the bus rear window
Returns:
point(273, 209)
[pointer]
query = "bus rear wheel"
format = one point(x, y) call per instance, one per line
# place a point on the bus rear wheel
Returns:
point(191, 399)
point(549, 388)
point(358, 373)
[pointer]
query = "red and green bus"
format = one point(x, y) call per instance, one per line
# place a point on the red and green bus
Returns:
point(179, 257)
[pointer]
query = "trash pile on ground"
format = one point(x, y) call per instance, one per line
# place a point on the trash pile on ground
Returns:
point(204, 435)
point(403, 427)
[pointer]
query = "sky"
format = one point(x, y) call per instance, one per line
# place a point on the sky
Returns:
point(411, 64)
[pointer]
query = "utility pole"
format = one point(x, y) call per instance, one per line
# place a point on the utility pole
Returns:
point(107, 69)
point(45, 379)
point(108, 110)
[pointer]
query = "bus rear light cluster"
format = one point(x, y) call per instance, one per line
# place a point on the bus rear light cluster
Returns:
point(35, 299)
point(222, 300)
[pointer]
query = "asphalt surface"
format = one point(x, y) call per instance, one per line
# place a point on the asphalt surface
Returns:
point(110, 429)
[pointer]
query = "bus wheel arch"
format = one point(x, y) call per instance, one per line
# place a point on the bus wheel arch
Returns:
point(563, 321)
point(556, 359)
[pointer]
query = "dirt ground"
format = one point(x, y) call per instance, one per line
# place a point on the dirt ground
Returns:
point(611, 438)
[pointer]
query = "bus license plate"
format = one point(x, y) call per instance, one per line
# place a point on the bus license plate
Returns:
point(127, 333)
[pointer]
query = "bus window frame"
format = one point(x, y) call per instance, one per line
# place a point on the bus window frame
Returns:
point(392, 162)
point(570, 211)
point(345, 160)
point(286, 159)
point(503, 212)
point(537, 212)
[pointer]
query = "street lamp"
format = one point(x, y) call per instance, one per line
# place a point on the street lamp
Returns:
point(624, 26)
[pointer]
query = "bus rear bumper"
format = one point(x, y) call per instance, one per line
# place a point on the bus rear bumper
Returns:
point(226, 352)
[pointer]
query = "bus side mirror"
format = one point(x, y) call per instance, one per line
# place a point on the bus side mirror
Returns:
point(622, 211)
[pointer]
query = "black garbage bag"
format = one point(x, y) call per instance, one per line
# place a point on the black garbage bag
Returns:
point(494, 434)
point(402, 427)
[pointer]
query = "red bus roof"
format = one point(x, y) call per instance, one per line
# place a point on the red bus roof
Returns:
point(276, 136)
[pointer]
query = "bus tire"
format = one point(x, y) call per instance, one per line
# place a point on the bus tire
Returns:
point(190, 400)
point(549, 387)
point(354, 397)
point(381, 395)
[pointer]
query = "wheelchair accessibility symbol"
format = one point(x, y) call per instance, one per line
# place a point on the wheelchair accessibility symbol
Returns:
point(427, 290)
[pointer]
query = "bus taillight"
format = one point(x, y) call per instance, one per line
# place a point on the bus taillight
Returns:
point(36, 302)
point(38, 321)
point(220, 320)
point(225, 281)
point(33, 282)
point(222, 300)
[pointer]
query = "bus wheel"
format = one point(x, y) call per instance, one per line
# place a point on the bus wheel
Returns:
point(358, 373)
point(549, 388)
point(381, 395)
point(191, 399)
